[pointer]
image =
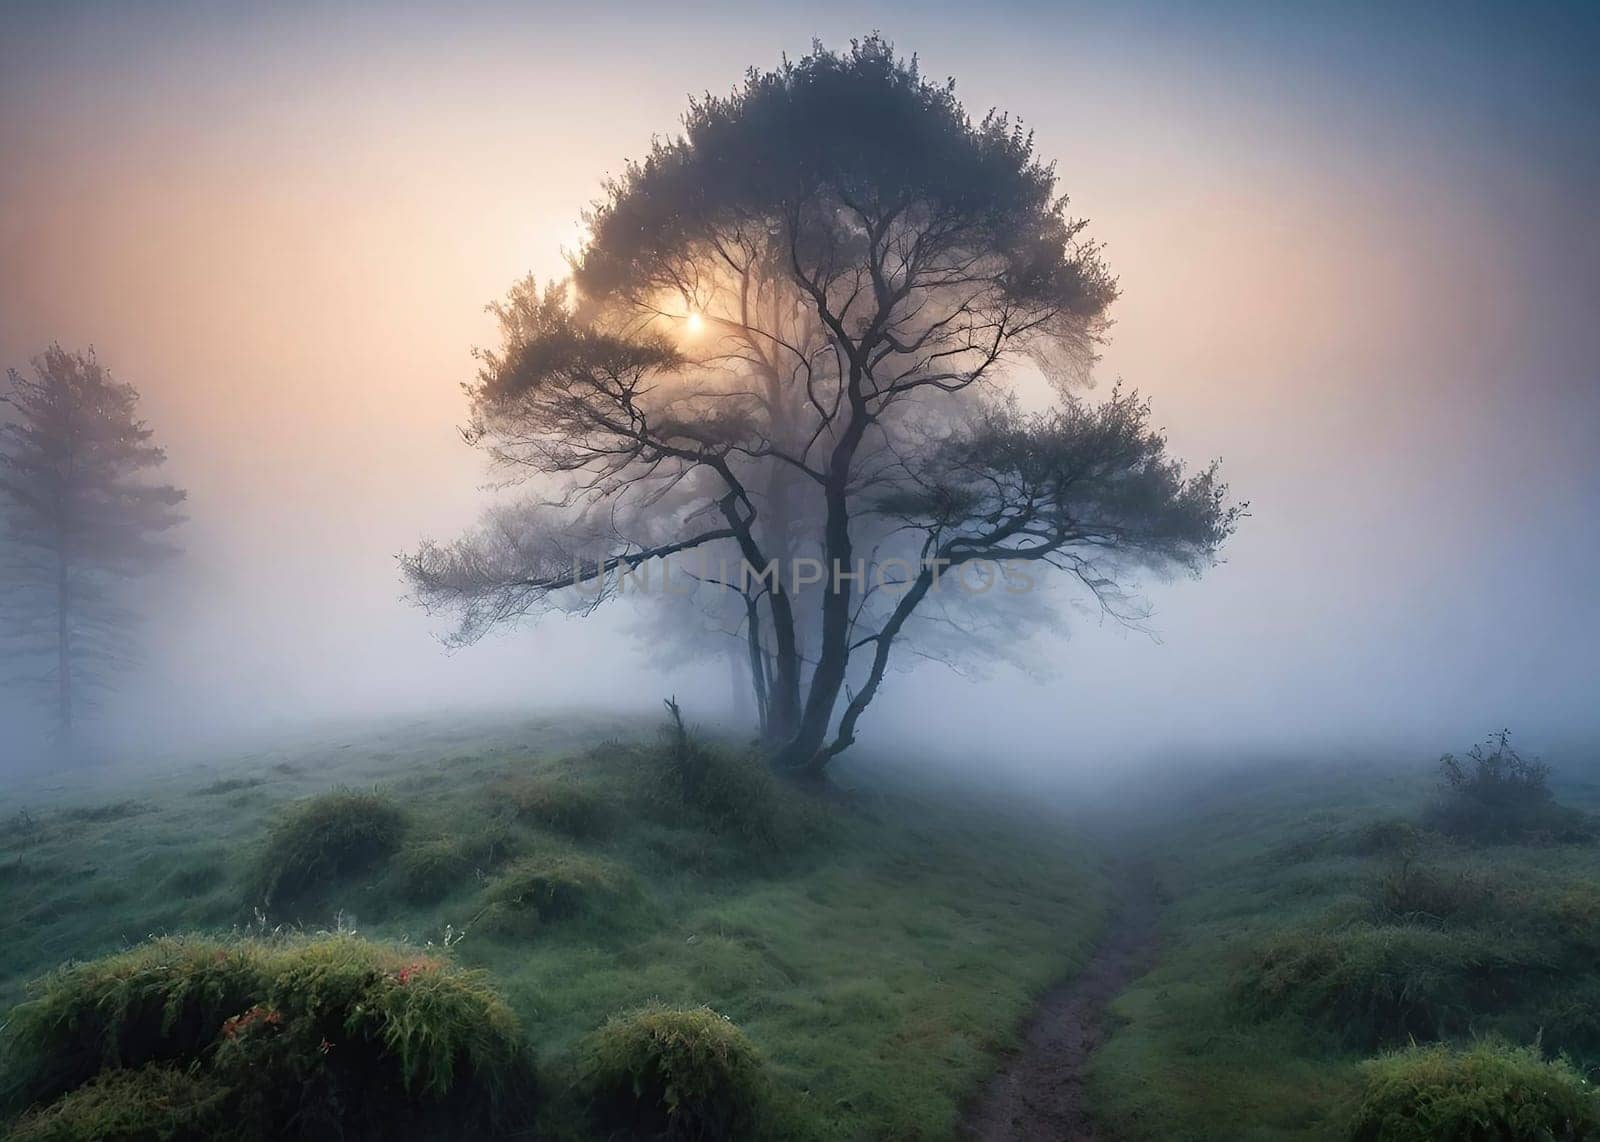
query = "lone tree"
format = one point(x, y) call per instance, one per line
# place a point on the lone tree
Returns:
point(793, 338)
point(78, 524)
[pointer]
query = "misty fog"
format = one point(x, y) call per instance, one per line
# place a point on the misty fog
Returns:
point(1357, 263)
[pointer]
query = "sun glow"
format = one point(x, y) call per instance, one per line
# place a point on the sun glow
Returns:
point(693, 324)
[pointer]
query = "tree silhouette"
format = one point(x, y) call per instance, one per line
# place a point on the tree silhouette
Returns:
point(790, 336)
point(79, 524)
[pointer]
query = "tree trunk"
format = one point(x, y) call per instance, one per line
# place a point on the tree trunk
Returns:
point(804, 752)
point(783, 684)
point(63, 651)
point(758, 663)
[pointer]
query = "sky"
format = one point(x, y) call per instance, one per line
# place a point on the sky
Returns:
point(1359, 255)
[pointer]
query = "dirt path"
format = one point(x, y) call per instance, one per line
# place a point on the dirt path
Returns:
point(1040, 1093)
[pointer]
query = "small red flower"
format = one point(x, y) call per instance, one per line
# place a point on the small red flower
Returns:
point(415, 968)
point(256, 1016)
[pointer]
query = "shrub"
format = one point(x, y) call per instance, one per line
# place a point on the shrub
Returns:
point(98, 814)
point(322, 838)
point(734, 794)
point(353, 1037)
point(555, 886)
point(1495, 795)
point(17, 871)
point(426, 871)
point(1384, 837)
point(151, 1104)
point(676, 1073)
point(1387, 837)
point(160, 1002)
point(1490, 1092)
point(1570, 919)
point(200, 875)
point(1408, 890)
point(322, 1038)
point(556, 803)
point(1375, 985)
point(700, 852)
point(229, 785)
point(1568, 1019)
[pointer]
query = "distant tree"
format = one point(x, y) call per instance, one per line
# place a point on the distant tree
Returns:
point(788, 337)
point(79, 523)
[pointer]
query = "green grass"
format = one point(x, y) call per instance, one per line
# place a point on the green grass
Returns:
point(878, 954)
point(1309, 925)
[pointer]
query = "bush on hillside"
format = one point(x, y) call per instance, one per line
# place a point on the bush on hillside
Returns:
point(1390, 836)
point(1489, 1092)
point(555, 886)
point(557, 803)
point(1378, 985)
point(322, 839)
point(99, 814)
point(151, 1104)
point(1495, 795)
point(160, 1002)
point(199, 874)
point(1408, 890)
point(1384, 837)
point(427, 870)
point(734, 793)
point(324, 1037)
point(684, 1074)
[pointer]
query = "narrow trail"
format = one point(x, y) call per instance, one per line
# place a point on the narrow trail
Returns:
point(1040, 1093)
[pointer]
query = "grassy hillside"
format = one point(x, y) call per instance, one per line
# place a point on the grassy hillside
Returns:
point(877, 947)
point(1314, 921)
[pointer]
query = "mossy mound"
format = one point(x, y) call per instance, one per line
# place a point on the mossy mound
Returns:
point(556, 803)
point(732, 792)
point(555, 886)
point(321, 839)
point(1488, 1093)
point(666, 1072)
point(427, 871)
point(324, 1037)
point(1378, 985)
point(150, 1104)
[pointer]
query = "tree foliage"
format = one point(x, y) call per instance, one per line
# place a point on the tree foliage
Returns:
point(794, 333)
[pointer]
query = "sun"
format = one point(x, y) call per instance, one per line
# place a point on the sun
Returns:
point(693, 324)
